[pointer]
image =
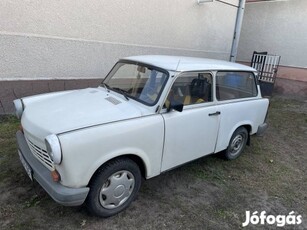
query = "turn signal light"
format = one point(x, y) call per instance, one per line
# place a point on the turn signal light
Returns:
point(55, 176)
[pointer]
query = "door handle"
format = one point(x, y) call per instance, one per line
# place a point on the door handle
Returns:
point(215, 114)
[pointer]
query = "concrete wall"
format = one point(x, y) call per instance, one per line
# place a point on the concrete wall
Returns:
point(77, 39)
point(279, 27)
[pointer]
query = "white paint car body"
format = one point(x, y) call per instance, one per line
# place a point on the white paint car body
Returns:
point(96, 125)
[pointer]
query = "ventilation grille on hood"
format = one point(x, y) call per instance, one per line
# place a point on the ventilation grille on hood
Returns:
point(113, 100)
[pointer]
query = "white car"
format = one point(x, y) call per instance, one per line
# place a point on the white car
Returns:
point(149, 115)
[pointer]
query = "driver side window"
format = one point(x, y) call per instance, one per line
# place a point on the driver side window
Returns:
point(190, 88)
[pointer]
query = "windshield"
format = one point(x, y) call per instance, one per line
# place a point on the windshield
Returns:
point(140, 82)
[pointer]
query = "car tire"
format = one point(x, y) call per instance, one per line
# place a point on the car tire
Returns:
point(237, 144)
point(113, 187)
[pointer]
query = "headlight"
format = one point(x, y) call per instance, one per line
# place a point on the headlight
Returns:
point(19, 107)
point(54, 148)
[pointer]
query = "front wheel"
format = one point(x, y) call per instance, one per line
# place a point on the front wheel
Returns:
point(236, 144)
point(113, 187)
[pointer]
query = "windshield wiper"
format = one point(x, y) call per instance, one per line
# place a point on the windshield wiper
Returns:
point(123, 92)
point(105, 85)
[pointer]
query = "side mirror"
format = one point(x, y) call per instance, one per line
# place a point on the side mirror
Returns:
point(176, 107)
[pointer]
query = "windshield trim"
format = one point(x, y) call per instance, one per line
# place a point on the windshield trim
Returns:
point(145, 65)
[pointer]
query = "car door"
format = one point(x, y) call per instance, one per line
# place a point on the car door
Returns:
point(192, 133)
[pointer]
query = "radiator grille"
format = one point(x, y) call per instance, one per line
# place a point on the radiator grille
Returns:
point(41, 155)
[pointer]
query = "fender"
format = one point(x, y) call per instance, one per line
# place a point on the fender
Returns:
point(121, 153)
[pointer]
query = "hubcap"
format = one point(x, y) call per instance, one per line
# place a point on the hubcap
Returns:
point(117, 189)
point(236, 144)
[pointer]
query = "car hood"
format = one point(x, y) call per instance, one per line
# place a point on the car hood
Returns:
point(75, 110)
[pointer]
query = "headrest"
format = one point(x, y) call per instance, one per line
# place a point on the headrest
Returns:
point(198, 87)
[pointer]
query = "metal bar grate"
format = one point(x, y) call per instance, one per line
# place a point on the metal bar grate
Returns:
point(267, 66)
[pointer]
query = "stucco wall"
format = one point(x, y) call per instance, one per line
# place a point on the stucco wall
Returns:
point(277, 27)
point(82, 39)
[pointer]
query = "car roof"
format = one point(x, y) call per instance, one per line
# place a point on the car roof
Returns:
point(182, 63)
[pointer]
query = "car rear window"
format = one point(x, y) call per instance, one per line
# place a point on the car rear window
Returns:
point(234, 85)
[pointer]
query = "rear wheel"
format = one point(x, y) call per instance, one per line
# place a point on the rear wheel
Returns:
point(113, 187)
point(236, 144)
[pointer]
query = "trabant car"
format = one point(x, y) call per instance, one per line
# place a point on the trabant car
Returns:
point(149, 115)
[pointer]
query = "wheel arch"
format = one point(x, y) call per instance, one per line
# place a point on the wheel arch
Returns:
point(249, 129)
point(137, 159)
point(247, 126)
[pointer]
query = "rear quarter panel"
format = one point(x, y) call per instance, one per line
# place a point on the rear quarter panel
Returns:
point(236, 113)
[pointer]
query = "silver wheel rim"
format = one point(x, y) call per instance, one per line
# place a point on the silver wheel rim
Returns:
point(117, 189)
point(237, 144)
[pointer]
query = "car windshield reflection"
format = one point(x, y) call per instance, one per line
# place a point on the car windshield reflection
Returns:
point(136, 81)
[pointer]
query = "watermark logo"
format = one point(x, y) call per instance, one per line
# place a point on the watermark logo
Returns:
point(263, 219)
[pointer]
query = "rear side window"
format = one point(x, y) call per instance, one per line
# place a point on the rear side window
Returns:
point(234, 85)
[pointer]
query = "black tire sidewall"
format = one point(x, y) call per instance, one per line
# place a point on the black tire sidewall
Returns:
point(116, 165)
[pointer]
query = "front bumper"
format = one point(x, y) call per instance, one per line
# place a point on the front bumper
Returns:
point(61, 194)
point(261, 129)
